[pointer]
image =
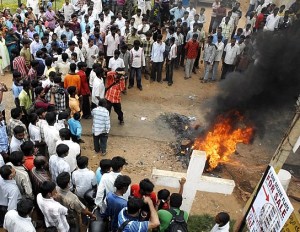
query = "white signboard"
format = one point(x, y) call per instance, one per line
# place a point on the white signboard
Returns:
point(271, 208)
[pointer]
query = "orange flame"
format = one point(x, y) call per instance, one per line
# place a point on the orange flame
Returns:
point(221, 141)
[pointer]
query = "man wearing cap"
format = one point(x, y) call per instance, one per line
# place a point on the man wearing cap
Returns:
point(115, 84)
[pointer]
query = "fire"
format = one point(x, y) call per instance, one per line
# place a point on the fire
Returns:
point(221, 141)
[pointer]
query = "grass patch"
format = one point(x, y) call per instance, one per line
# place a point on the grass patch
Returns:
point(204, 223)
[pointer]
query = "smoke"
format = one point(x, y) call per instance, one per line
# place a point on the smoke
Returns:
point(267, 92)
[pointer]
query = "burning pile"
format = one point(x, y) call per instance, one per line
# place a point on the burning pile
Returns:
point(221, 141)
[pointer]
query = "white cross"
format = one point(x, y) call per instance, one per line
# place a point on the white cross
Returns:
point(194, 180)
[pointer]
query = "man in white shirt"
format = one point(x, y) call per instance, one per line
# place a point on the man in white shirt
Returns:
point(143, 28)
point(137, 18)
point(120, 21)
point(57, 163)
point(112, 42)
point(231, 51)
point(98, 89)
point(209, 54)
point(157, 58)
point(51, 133)
point(67, 9)
point(272, 21)
point(17, 139)
point(137, 61)
point(72, 48)
point(54, 213)
point(22, 178)
point(19, 220)
point(116, 62)
point(10, 193)
point(171, 61)
point(107, 181)
point(218, 57)
point(90, 53)
point(74, 148)
point(60, 29)
point(83, 179)
point(63, 67)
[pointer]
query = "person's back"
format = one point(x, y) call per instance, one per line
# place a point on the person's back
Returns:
point(54, 213)
point(115, 201)
point(222, 220)
point(166, 216)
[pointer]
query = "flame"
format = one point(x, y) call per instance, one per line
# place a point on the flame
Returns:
point(221, 141)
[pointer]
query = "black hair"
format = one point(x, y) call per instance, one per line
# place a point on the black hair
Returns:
point(16, 74)
point(15, 51)
point(34, 63)
point(18, 130)
point(32, 118)
point(40, 111)
point(38, 90)
point(52, 74)
point(223, 217)
point(102, 102)
point(35, 35)
point(47, 187)
point(50, 118)
point(99, 72)
point(82, 162)
point(72, 67)
point(26, 83)
point(51, 229)
point(24, 207)
point(27, 148)
point(105, 165)
point(175, 200)
point(122, 181)
point(48, 61)
point(15, 112)
point(39, 162)
point(116, 52)
point(163, 196)
point(117, 162)
point(76, 116)
point(5, 171)
point(56, 79)
point(134, 205)
point(64, 56)
point(146, 185)
point(16, 158)
point(65, 133)
point(136, 42)
point(70, 43)
point(72, 89)
point(63, 179)
point(62, 149)
point(80, 65)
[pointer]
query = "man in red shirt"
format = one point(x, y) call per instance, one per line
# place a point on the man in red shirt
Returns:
point(84, 90)
point(115, 84)
point(40, 101)
point(191, 47)
point(260, 20)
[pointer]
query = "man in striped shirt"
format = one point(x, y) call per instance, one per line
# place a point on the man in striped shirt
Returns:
point(19, 63)
point(101, 127)
point(115, 84)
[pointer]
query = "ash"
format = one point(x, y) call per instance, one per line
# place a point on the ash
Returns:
point(183, 130)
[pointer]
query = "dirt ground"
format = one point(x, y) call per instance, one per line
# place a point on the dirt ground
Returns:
point(146, 144)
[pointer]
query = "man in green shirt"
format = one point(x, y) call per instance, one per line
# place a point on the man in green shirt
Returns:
point(165, 217)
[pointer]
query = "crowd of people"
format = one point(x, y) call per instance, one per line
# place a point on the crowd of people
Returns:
point(76, 63)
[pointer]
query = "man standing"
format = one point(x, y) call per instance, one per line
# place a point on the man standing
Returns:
point(192, 48)
point(171, 61)
point(114, 86)
point(98, 89)
point(51, 133)
point(111, 43)
point(177, 12)
point(116, 62)
point(39, 174)
point(218, 57)
point(272, 21)
point(208, 57)
point(90, 53)
point(137, 61)
point(19, 220)
point(147, 45)
point(157, 58)
point(231, 52)
point(101, 127)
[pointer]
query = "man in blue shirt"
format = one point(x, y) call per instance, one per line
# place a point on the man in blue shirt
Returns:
point(178, 11)
point(115, 201)
point(128, 219)
point(104, 167)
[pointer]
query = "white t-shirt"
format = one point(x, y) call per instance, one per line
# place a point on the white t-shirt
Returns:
point(35, 133)
point(113, 63)
point(98, 90)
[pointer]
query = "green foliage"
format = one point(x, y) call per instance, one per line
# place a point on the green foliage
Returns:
point(203, 223)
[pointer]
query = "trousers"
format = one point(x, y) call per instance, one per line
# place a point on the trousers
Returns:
point(189, 64)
